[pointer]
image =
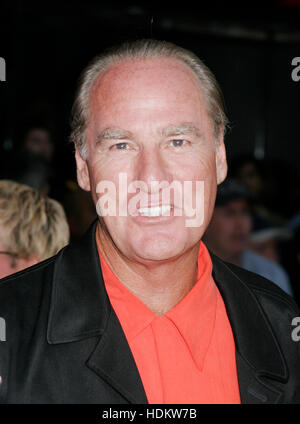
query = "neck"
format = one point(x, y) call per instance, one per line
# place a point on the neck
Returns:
point(160, 285)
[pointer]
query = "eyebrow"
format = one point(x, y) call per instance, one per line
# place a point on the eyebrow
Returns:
point(181, 129)
point(113, 134)
point(185, 128)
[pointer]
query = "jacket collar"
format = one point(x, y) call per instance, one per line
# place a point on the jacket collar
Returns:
point(80, 308)
point(79, 303)
point(260, 348)
point(258, 355)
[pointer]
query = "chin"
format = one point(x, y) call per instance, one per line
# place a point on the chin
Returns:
point(159, 248)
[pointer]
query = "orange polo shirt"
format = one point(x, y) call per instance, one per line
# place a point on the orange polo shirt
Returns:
point(186, 355)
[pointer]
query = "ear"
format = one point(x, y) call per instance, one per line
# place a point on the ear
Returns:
point(83, 177)
point(221, 162)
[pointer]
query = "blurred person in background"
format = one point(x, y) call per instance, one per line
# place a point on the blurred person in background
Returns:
point(265, 238)
point(32, 227)
point(249, 172)
point(228, 234)
point(267, 181)
point(38, 139)
point(40, 161)
point(31, 160)
point(80, 210)
point(290, 253)
point(34, 162)
point(30, 169)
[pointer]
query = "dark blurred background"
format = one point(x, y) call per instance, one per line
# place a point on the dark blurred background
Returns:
point(248, 45)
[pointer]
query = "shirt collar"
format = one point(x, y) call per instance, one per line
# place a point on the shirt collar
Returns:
point(194, 316)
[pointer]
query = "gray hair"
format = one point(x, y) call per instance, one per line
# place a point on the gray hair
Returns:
point(144, 49)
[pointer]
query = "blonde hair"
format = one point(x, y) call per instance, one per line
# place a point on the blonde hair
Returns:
point(144, 49)
point(31, 223)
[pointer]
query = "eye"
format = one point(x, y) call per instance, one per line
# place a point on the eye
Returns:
point(120, 146)
point(178, 143)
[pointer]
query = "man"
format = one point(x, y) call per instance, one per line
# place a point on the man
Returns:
point(39, 139)
point(32, 227)
point(137, 311)
point(266, 238)
point(229, 235)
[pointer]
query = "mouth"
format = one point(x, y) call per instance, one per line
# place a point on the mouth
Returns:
point(155, 211)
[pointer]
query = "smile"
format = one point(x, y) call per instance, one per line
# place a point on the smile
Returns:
point(155, 210)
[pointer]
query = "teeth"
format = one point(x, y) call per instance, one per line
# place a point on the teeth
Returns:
point(155, 211)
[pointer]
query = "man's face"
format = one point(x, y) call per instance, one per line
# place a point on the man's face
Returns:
point(39, 141)
point(149, 121)
point(229, 229)
point(249, 175)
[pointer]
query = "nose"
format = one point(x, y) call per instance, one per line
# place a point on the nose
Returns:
point(152, 168)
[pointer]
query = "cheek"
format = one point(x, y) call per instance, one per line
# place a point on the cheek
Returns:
point(107, 167)
point(204, 170)
point(198, 167)
point(100, 172)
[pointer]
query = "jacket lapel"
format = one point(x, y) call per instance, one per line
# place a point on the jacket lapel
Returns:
point(113, 361)
point(260, 364)
point(80, 308)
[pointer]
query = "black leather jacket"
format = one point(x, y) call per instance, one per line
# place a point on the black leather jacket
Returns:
point(64, 343)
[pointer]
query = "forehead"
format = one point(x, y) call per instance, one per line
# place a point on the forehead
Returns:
point(134, 79)
point(136, 69)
